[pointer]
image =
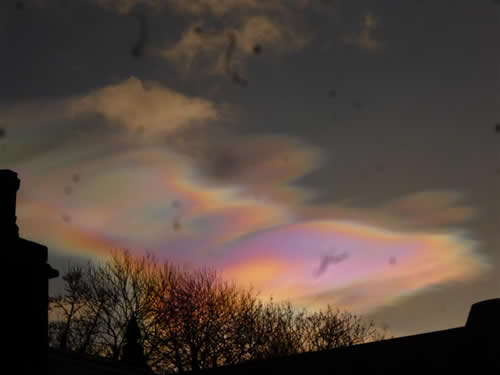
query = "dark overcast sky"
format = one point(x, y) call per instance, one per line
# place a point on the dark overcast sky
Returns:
point(402, 161)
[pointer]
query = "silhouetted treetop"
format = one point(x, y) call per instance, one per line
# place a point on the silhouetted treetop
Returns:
point(175, 320)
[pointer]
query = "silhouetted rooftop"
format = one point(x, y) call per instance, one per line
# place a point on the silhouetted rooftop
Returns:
point(471, 348)
point(80, 364)
point(462, 349)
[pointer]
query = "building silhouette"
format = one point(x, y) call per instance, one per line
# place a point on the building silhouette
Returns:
point(26, 300)
point(473, 348)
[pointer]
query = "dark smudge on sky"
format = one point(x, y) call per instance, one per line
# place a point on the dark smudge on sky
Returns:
point(229, 52)
point(238, 79)
point(327, 260)
point(138, 49)
point(205, 33)
point(176, 225)
point(224, 164)
point(228, 63)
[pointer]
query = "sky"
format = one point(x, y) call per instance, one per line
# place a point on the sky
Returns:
point(324, 152)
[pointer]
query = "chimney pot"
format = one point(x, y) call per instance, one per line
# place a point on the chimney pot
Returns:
point(9, 184)
point(484, 316)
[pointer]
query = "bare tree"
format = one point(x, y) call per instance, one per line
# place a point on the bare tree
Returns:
point(329, 329)
point(188, 320)
point(99, 301)
point(69, 329)
point(200, 319)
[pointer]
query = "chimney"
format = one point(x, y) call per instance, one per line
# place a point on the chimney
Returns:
point(9, 184)
point(484, 316)
point(483, 330)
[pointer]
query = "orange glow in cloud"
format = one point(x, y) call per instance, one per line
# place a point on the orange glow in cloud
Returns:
point(258, 273)
point(378, 267)
point(251, 224)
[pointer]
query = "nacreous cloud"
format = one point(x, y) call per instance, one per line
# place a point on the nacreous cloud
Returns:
point(165, 201)
point(265, 166)
point(375, 266)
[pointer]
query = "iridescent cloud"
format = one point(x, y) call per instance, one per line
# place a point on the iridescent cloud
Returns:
point(131, 199)
point(375, 266)
point(229, 202)
point(246, 224)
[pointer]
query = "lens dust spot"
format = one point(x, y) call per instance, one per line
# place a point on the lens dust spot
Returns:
point(176, 225)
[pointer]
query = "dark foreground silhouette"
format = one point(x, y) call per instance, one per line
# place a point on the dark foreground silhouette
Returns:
point(26, 302)
point(472, 349)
